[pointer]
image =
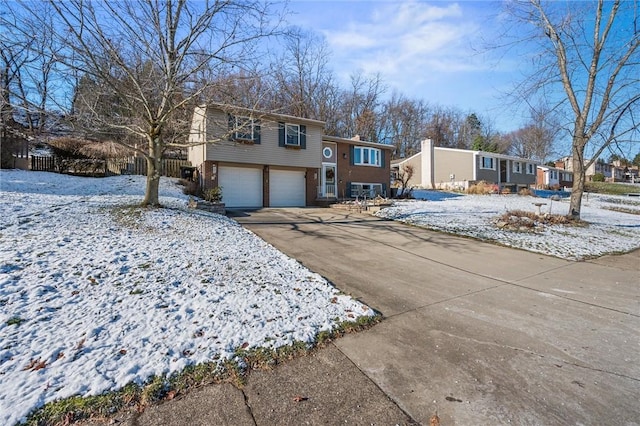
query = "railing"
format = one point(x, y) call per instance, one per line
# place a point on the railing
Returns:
point(327, 191)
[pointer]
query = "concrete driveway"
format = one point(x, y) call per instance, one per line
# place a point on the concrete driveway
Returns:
point(481, 334)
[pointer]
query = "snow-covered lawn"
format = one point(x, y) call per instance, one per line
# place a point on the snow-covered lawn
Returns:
point(606, 231)
point(95, 293)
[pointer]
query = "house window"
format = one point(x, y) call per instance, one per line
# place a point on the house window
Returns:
point(488, 163)
point(517, 167)
point(531, 169)
point(244, 128)
point(369, 190)
point(293, 135)
point(363, 156)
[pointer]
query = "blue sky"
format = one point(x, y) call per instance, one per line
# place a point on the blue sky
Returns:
point(424, 50)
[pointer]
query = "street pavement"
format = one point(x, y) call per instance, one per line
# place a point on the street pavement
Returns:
point(478, 333)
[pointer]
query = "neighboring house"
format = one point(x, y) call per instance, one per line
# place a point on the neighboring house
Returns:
point(354, 168)
point(624, 172)
point(553, 177)
point(272, 160)
point(436, 167)
point(612, 172)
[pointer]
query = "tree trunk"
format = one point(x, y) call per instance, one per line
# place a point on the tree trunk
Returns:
point(578, 178)
point(154, 159)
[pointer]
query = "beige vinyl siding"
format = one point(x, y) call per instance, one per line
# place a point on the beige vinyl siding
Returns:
point(196, 151)
point(416, 162)
point(456, 162)
point(268, 151)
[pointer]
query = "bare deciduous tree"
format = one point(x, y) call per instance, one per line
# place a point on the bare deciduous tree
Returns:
point(142, 60)
point(537, 138)
point(405, 174)
point(589, 51)
point(403, 124)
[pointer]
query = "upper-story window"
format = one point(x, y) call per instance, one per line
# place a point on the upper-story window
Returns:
point(364, 156)
point(517, 167)
point(531, 169)
point(244, 129)
point(488, 163)
point(293, 135)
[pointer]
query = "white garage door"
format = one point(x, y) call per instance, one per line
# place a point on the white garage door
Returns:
point(241, 186)
point(286, 188)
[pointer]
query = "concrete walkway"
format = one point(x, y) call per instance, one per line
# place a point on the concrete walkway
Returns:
point(481, 334)
point(478, 333)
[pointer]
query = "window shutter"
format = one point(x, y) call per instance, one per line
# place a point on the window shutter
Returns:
point(384, 189)
point(232, 123)
point(382, 158)
point(348, 189)
point(256, 133)
point(303, 137)
point(351, 160)
point(281, 134)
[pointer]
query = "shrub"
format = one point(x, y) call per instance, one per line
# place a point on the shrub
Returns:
point(483, 188)
point(525, 191)
point(213, 195)
point(598, 177)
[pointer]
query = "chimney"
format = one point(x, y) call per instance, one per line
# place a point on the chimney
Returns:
point(427, 160)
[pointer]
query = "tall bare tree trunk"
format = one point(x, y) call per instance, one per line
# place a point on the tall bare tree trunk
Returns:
point(154, 164)
point(578, 177)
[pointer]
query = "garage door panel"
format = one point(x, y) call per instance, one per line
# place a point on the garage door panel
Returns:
point(241, 186)
point(287, 188)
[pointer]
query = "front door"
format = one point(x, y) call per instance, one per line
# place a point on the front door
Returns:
point(504, 171)
point(329, 180)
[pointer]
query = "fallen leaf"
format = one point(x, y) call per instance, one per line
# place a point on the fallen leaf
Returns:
point(123, 351)
point(170, 395)
point(244, 345)
point(32, 363)
point(334, 300)
point(434, 420)
point(299, 398)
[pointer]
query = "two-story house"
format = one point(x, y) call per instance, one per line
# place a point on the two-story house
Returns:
point(262, 159)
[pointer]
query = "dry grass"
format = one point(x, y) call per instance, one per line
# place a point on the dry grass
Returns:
point(522, 220)
point(483, 188)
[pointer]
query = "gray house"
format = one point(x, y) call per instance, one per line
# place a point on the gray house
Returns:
point(445, 168)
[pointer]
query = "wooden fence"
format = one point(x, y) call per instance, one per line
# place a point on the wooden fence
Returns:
point(43, 164)
point(109, 167)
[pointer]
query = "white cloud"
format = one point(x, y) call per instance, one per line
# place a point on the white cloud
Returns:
point(403, 40)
